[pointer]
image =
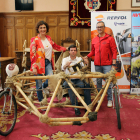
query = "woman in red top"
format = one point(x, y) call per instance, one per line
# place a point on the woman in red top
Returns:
point(41, 50)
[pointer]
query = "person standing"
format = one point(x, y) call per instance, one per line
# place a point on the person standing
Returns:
point(41, 51)
point(105, 51)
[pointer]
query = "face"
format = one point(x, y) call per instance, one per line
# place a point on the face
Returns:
point(100, 28)
point(73, 52)
point(42, 29)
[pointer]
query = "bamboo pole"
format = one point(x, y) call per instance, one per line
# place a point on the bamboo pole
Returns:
point(103, 95)
point(63, 123)
point(27, 100)
point(93, 85)
point(70, 76)
point(96, 99)
point(79, 97)
point(53, 96)
point(69, 119)
point(24, 106)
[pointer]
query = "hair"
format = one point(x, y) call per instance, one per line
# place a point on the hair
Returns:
point(101, 22)
point(41, 23)
point(72, 46)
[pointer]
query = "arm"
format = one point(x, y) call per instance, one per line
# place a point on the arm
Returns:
point(92, 52)
point(114, 51)
point(58, 48)
point(55, 46)
point(65, 64)
point(33, 56)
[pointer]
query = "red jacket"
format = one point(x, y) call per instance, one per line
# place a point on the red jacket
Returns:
point(37, 53)
point(104, 49)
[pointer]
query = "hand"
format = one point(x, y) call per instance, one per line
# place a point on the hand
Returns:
point(86, 60)
point(67, 64)
point(35, 71)
point(85, 57)
point(113, 67)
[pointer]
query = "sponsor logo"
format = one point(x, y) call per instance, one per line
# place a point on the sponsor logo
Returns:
point(116, 23)
point(116, 17)
point(99, 17)
point(136, 15)
point(92, 5)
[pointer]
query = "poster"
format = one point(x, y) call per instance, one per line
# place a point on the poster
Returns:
point(119, 25)
point(135, 53)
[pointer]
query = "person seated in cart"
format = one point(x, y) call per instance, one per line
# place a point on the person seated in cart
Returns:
point(71, 60)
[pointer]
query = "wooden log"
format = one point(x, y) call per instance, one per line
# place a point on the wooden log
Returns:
point(79, 97)
point(53, 96)
point(27, 100)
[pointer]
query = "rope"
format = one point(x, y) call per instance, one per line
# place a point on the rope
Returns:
point(67, 102)
point(44, 119)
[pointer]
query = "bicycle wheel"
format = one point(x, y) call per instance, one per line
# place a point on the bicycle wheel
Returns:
point(117, 108)
point(8, 112)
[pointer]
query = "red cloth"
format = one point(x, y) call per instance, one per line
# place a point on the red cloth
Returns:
point(80, 17)
point(37, 53)
point(104, 49)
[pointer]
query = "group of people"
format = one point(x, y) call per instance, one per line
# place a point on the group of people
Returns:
point(41, 50)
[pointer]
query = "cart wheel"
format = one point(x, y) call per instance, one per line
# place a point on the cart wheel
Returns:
point(117, 108)
point(8, 112)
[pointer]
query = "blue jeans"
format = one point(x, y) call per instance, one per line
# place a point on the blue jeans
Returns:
point(81, 84)
point(48, 71)
point(103, 69)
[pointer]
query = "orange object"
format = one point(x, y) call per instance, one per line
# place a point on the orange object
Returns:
point(108, 30)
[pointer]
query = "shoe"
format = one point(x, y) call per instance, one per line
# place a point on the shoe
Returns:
point(46, 91)
point(109, 104)
point(44, 109)
point(77, 111)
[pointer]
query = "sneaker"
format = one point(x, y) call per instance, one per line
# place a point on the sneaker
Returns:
point(77, 111)
point(44, 109)
point(109, 104)
point(46, 91)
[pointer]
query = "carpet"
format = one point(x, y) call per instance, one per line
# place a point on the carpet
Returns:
point(105, 127)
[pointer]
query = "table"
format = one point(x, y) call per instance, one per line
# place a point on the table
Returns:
point(4, 62)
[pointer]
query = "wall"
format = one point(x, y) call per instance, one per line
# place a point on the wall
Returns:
point(56, 5)
point(39, 5)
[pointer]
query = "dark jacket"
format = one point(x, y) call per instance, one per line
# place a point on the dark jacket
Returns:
point(104, 49)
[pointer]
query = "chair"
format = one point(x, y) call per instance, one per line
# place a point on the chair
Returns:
point(67, 42)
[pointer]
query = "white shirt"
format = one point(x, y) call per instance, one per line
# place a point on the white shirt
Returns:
point(73, 62)
point(47, 49)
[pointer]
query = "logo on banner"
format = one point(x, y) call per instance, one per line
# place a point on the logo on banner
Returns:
point(136, 15)
point(116, 23)
point(116, 17)
point(92, 5)
point(99, 17)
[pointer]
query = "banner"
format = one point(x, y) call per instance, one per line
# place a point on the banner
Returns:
point(135, 53)
point(118, 24)
point(79, 11)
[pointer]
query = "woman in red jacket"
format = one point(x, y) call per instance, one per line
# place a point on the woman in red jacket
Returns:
point(41, 50)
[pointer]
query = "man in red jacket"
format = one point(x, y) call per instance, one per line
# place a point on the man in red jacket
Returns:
point(105, 51)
